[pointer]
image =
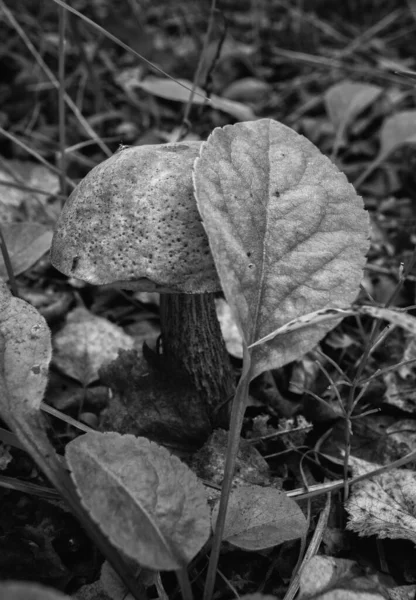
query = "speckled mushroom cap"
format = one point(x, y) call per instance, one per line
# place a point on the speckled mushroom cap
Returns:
point(133, 222)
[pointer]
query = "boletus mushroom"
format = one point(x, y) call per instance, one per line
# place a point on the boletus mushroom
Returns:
point(133, 223)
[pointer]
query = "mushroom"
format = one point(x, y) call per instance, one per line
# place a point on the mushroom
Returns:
point(133, 223)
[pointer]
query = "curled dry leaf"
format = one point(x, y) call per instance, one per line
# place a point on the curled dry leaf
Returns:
point(287, 232)
point(384, 505)
point(261, 517)
point(149, 503)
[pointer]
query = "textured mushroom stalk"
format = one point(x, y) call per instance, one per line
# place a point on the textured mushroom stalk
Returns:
point(133, 223)
point(193, 345)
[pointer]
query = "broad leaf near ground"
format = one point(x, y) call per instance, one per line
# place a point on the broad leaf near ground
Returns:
point(149, 504)
point(261, 517)
point(385, 505)
point(287, 232)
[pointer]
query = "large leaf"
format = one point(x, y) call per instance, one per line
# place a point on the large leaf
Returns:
point(149, 503)
point(287, 232)
point(259, 518)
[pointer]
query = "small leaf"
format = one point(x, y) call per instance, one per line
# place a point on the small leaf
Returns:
point(327, 578)
point(19, 590)
point(261, 517)
point(398, 130)
point(346, 100)
point(384, 505)
point(86, 343)
point(170, 90)
point(33, 184)
point(149, 503)
point(287, 232)
point(26, 244)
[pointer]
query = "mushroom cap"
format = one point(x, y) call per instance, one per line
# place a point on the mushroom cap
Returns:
point(132, 222)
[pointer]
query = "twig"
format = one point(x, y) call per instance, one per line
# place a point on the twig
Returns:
point(61, 100)
point(312, 549)
point(185, 119)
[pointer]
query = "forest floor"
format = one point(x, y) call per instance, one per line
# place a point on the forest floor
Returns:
point(341, 74)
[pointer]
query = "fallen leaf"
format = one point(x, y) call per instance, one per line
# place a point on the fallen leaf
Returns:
point(248, 90)
point(398, 130)
point(329, 578)
point(261, 517)
point(86, 343)
point(344, 101)
point(150, 504)
point(31, 180)
point(171, 90)
point(26, 243)
point(385, 505)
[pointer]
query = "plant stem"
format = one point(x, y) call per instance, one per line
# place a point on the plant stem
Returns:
point(237, 416)
point(193, 347)
point(184, 584)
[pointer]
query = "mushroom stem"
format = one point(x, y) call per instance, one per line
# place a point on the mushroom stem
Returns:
point(193, 347)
